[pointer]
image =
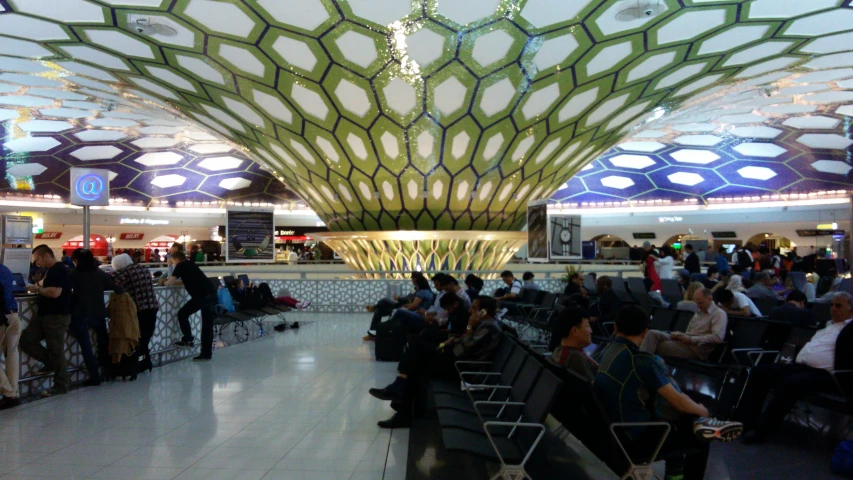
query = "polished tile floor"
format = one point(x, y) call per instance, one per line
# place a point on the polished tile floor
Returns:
point(290, 406)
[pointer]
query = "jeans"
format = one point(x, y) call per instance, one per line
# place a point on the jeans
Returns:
point(206, 305)
point(51, 329)
point(79, 329)
point(412, 322)
point(10, 335)
point(383, 308)
point(147, 325)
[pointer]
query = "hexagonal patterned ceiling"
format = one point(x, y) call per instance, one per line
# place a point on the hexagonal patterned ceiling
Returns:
point(430, 114)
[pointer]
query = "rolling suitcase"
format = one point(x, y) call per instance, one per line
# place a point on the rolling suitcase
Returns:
point(390, 340)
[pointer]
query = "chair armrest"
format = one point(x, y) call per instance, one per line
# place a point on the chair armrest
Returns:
point(514, 425)
point(665, 428)
point(756, 356)
point(488, 374)
point(469, 362)
point(493, 402)
point(746, 351)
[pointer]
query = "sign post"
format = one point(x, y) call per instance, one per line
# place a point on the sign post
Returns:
point(89, 186)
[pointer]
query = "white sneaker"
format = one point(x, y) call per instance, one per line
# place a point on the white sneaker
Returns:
point(306, 304)
point(299, 305)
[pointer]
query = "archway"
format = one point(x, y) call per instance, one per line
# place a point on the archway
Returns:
point(771, 241)
point(611, 247)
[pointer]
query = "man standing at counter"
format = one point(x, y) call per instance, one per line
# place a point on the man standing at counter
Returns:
point(202, 297)
point(51, 320)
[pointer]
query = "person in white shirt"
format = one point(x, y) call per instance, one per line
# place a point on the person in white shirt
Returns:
point(809, 374)
point(738, 304)
point(663, 265)
point(292, 256)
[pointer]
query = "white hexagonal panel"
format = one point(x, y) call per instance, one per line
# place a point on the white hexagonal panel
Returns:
point(817, 122)
point(200, 68)
point(733, 38)
point(353, 98)
point(742, 118)
point(357, 48)
point(788, 109)
point(830, 141)
point(295, 52)
point(155, 142)
point(8, 114)
point(756, 132)
point(699, 157)
point(608, 57)
point(829, 97)
point(312, 13)
point(242, 58)
point(104, 152)
point(491, 47)
point(756, 173)
point(763, 150)
point(216, 164)
point(220, 17)
point(25, 170)
point(357, 146)
point(685, 178)
point(159, 159)
point(691, 25)
point(273, 106)
point(48, 126)
point(168, 181)
point(554, 51)
point(235, 183)
point(69, 11)
point(617, 182)
point(541, 13)
point(651, 65)
point(400, 96)
point(383, 12)
point(577, 104)
point(208, 148)
point(310, 101)
point(786, 8)
point(328, 149)
point(390, 144)
point(120, 42)
point(637, 162)
point(31, 144)
point(698, 140)
point(497, 97)
point(449, 95)
point(695, 127)
point(540, 101)
point(100, 135)
point(424, 46)
point(832, 166)
point(845, 110)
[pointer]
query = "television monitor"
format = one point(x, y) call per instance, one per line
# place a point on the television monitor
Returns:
point(676, 246)
point(537, 231)
point(17, 230)
point(249, 235)
point(565, 236)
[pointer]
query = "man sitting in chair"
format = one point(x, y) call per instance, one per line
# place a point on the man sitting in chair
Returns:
point(706, 329)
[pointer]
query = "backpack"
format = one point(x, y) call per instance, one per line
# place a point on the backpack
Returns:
point(743, 259)
point(223, 297)
point(842, 459)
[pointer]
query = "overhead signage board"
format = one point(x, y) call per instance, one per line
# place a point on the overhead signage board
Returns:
point(249, 236)
point(90, 187)
point(49, 235)
point(724, 234)
point(819, 233)
point(131, 236)
point(142, 221)
point(644, 236)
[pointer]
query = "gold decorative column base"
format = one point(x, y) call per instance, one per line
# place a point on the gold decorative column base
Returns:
point(407, 250)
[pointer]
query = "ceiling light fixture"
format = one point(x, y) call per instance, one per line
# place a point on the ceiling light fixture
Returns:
point(642, 10)
point(144, 27)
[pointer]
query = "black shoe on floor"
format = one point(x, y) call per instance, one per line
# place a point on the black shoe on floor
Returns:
point(201, 358)
point(398, 420)
point(294, 325)
point(9, 402)
point(183, 344)
point(280, 327)
point(393, 392)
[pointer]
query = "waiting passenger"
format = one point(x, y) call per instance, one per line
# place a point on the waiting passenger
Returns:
point(10, 336)
point(385, 306)
point(793, 311)
point(473, 285)
point(422, 359)
point(411, 315)
point(664, 263)
point(810, 288)
point(763, 286)
point(51, 321)
point(691, 260)
point(202, 297)
point(713, 278)
point(735, 284)
point(446, 284)
point(830, 349)
point(136, 280)
point(88, 283)
point(529, 284)
point(629, 379)
point(688, 304)
point(574, 332)
point(608, 305)
point(513, 288)
point(706, 329)
point(737, 303)
point(256, 296)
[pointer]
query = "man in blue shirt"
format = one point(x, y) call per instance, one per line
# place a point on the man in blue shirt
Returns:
point(10, 334)
point(628, 384)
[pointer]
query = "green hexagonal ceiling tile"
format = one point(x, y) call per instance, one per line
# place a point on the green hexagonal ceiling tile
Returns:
point(302, 55)
point(391, 145)
point(400, 93)
point(541, 98)
point(358, 146)
point(606, 57)
point(498, 94)
point(554, 51)
point(232, 20)
point(357, 48)
point(352, 95)
point(459, 142)
point(314, 15)
point(491, 47)
point(309, 98)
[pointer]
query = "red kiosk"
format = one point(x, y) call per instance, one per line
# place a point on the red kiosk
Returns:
point(97, 244)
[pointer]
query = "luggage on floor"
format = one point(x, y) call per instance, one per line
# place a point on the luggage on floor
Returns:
point(127, 367)
point(390, 341)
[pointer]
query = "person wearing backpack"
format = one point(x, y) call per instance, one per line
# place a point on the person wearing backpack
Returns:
point(136, 280)
point(10, 334)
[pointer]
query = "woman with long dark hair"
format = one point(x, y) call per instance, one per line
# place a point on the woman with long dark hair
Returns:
point(88, 284)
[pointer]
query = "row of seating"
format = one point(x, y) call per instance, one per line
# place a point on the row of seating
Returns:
point(239, 318)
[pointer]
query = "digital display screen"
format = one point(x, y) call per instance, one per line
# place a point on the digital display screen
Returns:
point(17, 230)
point(249, 236)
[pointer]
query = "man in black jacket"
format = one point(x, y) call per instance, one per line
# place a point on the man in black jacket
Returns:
point(607, 307)
point(830, 349)
point(794, 311)
point(691, 261)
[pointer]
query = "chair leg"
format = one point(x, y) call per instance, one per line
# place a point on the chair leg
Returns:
point(509, 472)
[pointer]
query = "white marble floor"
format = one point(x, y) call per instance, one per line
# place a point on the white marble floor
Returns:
point(290, 406)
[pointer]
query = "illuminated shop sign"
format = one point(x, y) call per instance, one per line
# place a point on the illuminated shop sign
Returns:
point(142, 221)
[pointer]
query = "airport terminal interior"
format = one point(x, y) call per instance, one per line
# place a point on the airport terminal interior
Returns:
point(415, 239)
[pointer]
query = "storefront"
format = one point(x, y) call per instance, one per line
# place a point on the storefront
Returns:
point(97, 244)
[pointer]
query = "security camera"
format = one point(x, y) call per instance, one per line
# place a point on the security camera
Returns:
point(649, 12)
